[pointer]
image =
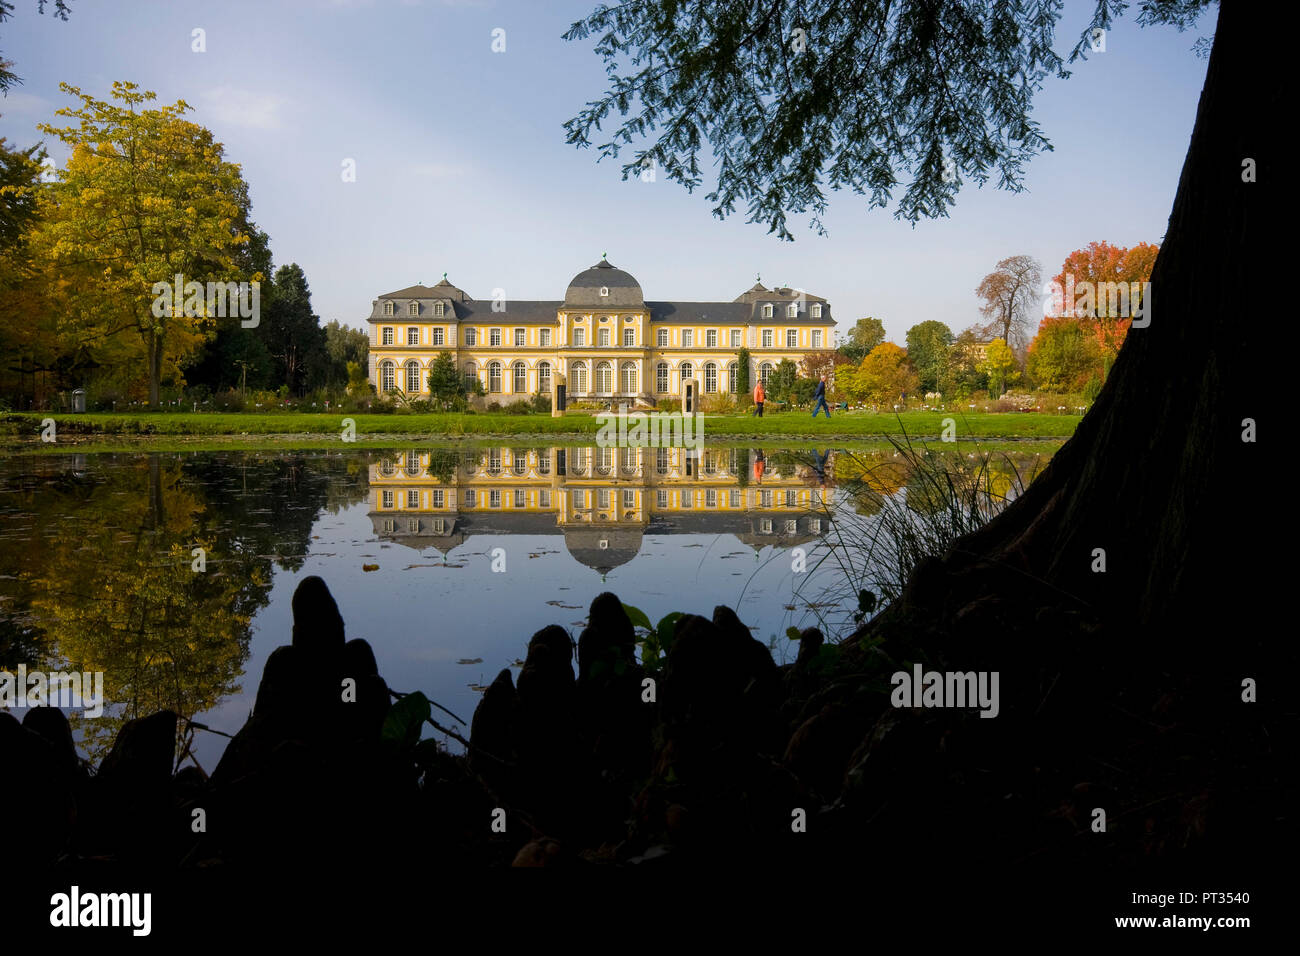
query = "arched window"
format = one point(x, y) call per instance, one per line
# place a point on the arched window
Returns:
point(578, 378)
point(578, 461)
point(604, 378)
point(471, 375)
point(544, 377)
point(661, 377)
point(387, 377)
point(519, 463)
point(627, 377)
point(710, 377)
point(387, 468)
point(628, 460)
point(688, 371)
point(521, 378)
point(604, 460)
point(412, 468)
point(733, 375)
point(661, 461)
point(494, 376)
point(764, 371)
point(412, 377)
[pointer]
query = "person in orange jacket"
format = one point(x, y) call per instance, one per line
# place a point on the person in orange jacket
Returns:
point(759, 396)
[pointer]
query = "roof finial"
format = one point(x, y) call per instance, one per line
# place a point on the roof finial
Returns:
point(444, 277)
point(758, 277)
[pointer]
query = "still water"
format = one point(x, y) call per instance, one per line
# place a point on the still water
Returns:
point(172, 573)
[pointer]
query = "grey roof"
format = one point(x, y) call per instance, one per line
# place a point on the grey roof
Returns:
point(584, 290)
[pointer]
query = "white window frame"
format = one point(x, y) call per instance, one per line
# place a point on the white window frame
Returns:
point(438, 336)
point(816, 338)
point(386, 335)
point(413, 308)
point(413, 335)
point(521, 337)
point(736, 337)
point(767, 311)
point(711, 338)
point(494, 338)
point(817, 310)
point(792, 338)
point(389, 308)
point(767, 338)
point(661, 338)
point(688, 338)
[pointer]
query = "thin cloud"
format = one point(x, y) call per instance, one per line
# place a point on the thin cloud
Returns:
point(234, 107)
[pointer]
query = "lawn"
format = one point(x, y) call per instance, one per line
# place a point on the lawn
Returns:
point(327, 428)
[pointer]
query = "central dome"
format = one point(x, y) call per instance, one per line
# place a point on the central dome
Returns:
point(619, 288)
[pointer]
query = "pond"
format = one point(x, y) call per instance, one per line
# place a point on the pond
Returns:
point(172, 573)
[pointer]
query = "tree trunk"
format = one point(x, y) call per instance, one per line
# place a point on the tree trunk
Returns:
point(1157, 474)
point(155, 366)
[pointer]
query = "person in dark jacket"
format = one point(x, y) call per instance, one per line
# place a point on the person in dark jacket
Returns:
point(819, 398)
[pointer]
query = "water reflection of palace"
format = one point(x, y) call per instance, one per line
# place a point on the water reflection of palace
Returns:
point(602, 500)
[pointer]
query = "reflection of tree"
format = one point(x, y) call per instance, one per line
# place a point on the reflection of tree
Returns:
point(119, 595)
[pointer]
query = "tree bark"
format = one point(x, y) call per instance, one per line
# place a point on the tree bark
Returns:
point(1158, 474)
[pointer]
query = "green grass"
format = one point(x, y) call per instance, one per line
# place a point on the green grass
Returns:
point(316, 429)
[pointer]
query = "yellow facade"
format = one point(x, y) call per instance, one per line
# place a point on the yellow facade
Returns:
point(623, 349)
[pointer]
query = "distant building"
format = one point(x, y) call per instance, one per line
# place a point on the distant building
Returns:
point(603, 336)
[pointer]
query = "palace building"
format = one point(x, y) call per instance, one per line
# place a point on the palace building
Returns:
point(604, 337)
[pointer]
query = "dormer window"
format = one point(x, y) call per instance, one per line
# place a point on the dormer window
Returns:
point(388, 308)
point(817, 311)
point(438, 309)
point(414, 308)
point(792, 311)
point(604, 290)
point(767, 311)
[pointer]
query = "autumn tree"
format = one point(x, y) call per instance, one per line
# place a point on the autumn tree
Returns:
point(145, 196)
point(1100, 266)
point(884, 376)
point(1012, 298)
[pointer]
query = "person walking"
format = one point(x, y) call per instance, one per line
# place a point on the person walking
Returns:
point(759, 397)
point(819, 397)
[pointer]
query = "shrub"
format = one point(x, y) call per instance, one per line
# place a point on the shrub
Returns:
point(669, 404)
point(542, 403)
point(494, 406)
point(1091, 389)
point(520, 407)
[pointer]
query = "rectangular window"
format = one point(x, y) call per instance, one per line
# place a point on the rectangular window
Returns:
point(412, 525)
point(494, 337)
point(661, 499)
point(603, 338)
point(412, 498)
point(439, 497)
point(688, 338)
point(544, 497)
point(519, 338)
point(767, 338)
point(413, 336)
point(766, 498)
point(791, 526)
point(789, 497)
point(471, 498)
point(603, 498)
point(735, 338)
point(414, 309)
point(437, 336)
point(494, 498)
point(579, 500)
point(661, 337)
point(815, 525)
point(765, 526)
point(471, 337)
point(735, 497)
point(519, 497)
point(817, 310)
point(544, 338)
point(710, 499)
point(439, 310)
point(629, 498)
point(387, 499)
point(439, 526)
point(580, 337)
point(387, 338)
point(711, 338)
point(817, 338)
point(688, 498)
point(389, 525)
point(629, 337)
point(388, 308)
point(792, 338)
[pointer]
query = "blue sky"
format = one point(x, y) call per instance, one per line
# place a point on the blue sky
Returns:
point(461, 164)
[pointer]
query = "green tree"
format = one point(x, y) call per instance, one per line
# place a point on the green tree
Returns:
point(743, 384)
point(928, 345)
point(446, 383)
point(780, 384)
point(1063, 356)
point(343, 345)
point(291, 331)
point(865, 335)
